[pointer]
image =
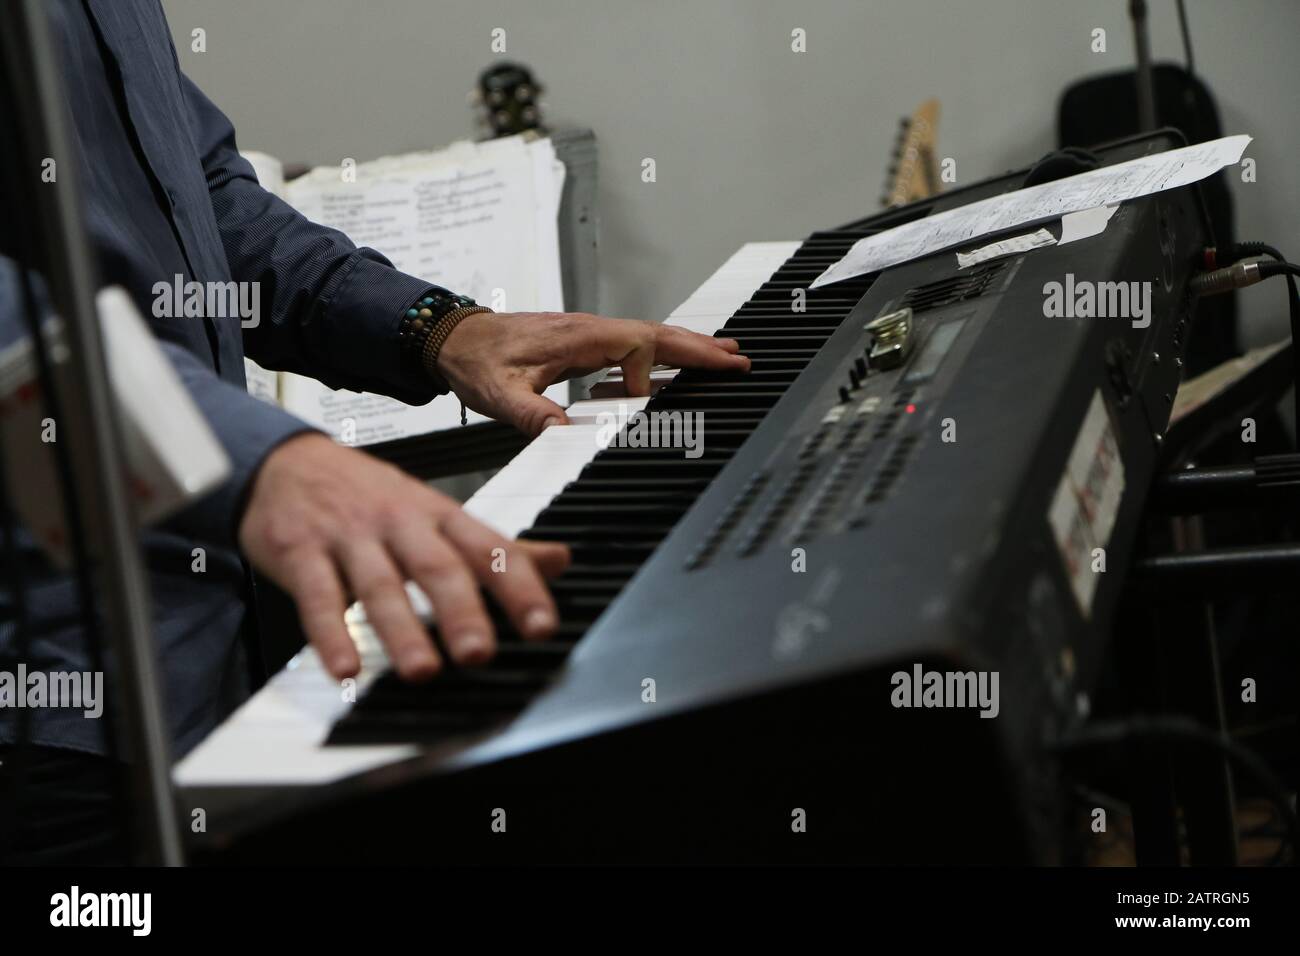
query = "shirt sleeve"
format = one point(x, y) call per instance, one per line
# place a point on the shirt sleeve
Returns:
point(247, 428)
point(330, 310)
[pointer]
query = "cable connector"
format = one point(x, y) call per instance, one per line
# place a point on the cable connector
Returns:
point(1236, 276)
point(1213, 258)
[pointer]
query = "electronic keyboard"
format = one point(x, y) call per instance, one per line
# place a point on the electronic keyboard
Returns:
point(848, 628)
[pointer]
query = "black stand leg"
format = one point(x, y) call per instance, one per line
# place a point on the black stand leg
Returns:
point(1203, 780)
point(1151, 789)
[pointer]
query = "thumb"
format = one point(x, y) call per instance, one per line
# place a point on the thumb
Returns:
point(532, 413)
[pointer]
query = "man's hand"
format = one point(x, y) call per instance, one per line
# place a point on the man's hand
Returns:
point(498, 363)
point(328, 524)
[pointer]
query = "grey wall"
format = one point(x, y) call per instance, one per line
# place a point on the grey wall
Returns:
point(751, 141)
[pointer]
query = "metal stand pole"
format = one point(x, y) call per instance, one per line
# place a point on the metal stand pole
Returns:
point(1146, 97)
point(37, 105)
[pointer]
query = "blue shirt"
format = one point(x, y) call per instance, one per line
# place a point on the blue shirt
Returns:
point(166, 194)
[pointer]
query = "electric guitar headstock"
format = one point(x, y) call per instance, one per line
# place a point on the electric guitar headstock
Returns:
point(914, 168)
point(509, 100)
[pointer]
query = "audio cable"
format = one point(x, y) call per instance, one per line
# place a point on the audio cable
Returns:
point(1239, 265)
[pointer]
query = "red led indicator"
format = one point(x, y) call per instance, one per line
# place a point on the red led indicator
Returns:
point(911, 409)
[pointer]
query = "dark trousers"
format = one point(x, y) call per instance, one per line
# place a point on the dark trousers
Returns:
point(58, 807)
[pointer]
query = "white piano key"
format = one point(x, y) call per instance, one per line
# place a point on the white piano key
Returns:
point(276, 737)
point(508, 515)
point(513, 498)
point(547, 464)
point(589, 412)
point(731, 286)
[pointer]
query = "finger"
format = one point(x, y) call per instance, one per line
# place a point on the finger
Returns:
point(508, 572)
point(663, 329)
point(318, 595)
point(596, 343)
point(550, 557)
point(529, 412)
point(378, 586)
point(430, 560)
point(637, 362)
point(685, 349)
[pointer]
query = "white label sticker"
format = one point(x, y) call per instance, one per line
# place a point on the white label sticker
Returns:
point(1083, 510)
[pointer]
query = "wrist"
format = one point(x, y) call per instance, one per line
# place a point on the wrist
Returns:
point(265, 472)
point(432, 355)
point(426, 326)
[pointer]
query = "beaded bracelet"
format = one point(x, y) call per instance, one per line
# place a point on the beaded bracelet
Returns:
point(425, 318)
point(433, 343)
point(420, 318)
point(437, 335)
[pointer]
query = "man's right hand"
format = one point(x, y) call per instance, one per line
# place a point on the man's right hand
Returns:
point(329, 523)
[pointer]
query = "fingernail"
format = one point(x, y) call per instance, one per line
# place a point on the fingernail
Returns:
point(550, 421)
point(418, 662)
point(538, 621)
point(473, 647)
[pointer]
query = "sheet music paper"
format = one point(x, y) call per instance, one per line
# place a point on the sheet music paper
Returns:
point(1097, 187)
point(262, 383)
point(477, 218)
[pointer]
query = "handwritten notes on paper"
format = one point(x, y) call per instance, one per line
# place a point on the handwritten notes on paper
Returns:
point(476, 218)
point(1097, 187)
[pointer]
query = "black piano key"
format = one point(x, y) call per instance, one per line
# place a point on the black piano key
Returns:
point(572, 631)
point(558, 515)
point(485, 687)
point(576, 494)
point(773, 362)
point(565, 588)
point(610, 467)
point(611, 552)
point(624, 570)
point(539, 655)
point(763, 376)
point(684, 486)
point(575, 532)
